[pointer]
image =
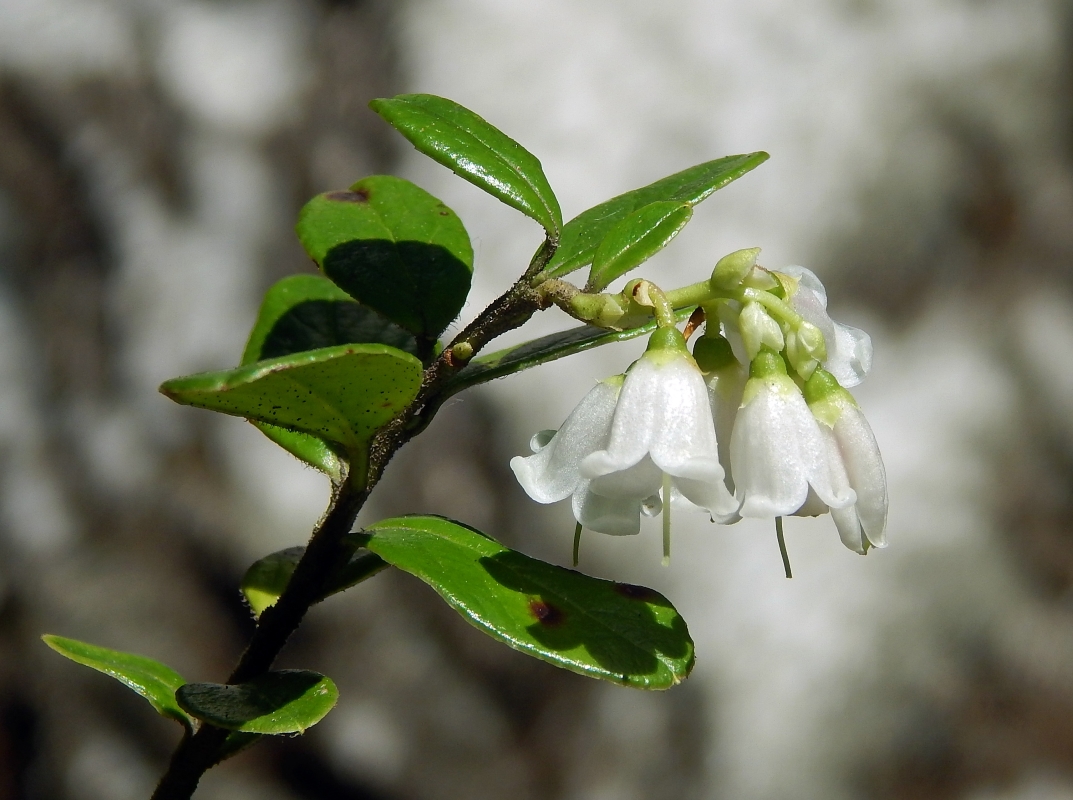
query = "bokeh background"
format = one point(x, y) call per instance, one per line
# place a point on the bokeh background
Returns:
point(153, 155)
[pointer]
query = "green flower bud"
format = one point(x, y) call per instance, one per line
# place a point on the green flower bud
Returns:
point(712, 353)
point(731, 269)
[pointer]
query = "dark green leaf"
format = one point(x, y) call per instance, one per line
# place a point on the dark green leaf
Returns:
point(583, 234)
point(613, 631)
point(266, 579)
point(308, 312)
point(309, 448)
point(475, 150)
point(394, 248)
point(634, 240)
point(287, 701)
point(540, 351)
point(342, 394)
point(154, 681)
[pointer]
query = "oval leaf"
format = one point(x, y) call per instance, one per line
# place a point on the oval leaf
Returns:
point(613, 631)
point(634, 240)
point(393, 247)
point(584, 233)
point(154, 681)
point(342, 394)
point(266, 578)
point(287, 701)
point(475, 150)
point(308, 312)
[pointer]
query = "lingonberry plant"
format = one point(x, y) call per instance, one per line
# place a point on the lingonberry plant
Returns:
point(344, 368)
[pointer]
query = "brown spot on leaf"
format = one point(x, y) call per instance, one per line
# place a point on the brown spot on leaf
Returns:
point(634, 592)
point(360, 196)
point(546, 613)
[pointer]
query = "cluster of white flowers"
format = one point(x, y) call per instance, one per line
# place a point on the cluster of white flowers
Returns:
point(756, 422)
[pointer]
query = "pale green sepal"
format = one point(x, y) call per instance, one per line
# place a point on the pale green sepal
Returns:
point(826, 398)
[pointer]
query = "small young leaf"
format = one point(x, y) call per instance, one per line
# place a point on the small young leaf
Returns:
point(287, 701)
point(154, 681)
point(475, 150)
point(266, 579)
point(535, 352)
point(583, 234)
point(342, 394)
point(393, 247)
point(613, 631)
point(634, 240)
point(308, 312)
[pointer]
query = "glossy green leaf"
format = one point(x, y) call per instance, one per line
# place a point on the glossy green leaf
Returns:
point(635, 239)
point(287, 701)
point(342, 394)
point(154, 681)
point(584, 233)
point(266, 578)
point(475, 150)
point(309, 312)
point(393, 247)
point(613, 631)
point(535, 352)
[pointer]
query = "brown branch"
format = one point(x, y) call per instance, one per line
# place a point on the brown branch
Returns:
point(196, 754)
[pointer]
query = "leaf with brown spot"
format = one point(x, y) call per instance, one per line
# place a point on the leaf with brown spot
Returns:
point(616, 632)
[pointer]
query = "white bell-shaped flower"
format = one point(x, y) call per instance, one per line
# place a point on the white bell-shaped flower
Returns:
point(726, 378)
point(849, 350)
point(662, 427)
point(777, 450)
point(551, 474)
point(855, 462)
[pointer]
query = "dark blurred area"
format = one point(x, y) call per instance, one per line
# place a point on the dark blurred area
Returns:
point(153, 156)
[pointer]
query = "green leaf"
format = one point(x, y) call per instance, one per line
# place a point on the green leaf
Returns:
point(393, 247)
point(614, 631)
point(309, 312)
point(154, 681)
point(266, 579)
point(584, 233)
point(342, 394)
point(287, 701)
point(475, 150)
point(540, 351)
point(636, 239)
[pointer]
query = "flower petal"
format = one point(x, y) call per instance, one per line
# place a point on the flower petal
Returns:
point(867, 476)
point(616, 516)
point(778, 452)
point(849, 350)
point(725, 389)
point(552, 473)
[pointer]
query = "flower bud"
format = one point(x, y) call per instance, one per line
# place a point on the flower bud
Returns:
point(731, 269)
point(713, 353)
point(759, 329)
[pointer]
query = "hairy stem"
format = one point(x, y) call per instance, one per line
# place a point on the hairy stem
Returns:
point(196, 754)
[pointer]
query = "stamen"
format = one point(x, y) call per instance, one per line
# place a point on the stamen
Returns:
point(782, 547)
point(577, 542)
point(666, 520)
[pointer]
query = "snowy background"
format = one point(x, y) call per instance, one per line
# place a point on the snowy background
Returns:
point(153, 155)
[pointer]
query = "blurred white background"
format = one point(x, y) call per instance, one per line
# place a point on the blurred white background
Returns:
point(152, 158)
